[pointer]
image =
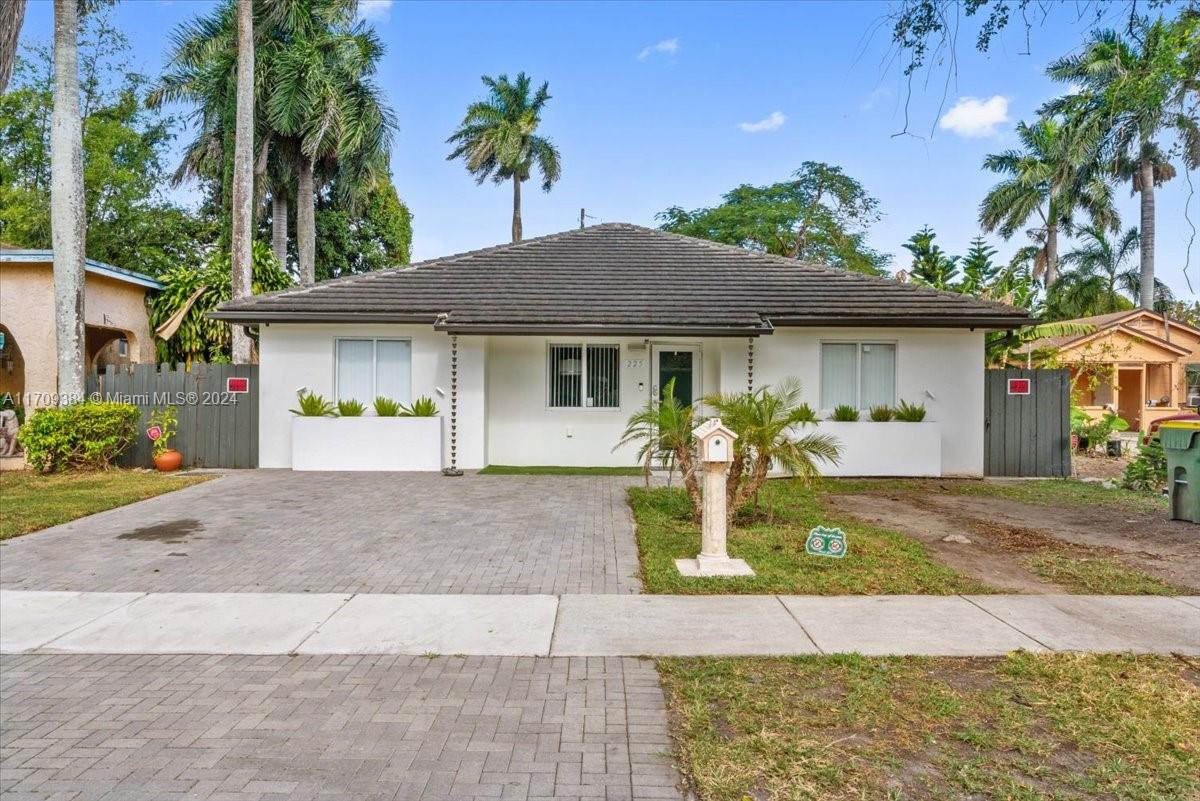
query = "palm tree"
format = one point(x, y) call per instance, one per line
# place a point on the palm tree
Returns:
point(322, 97)
point(12, 14)
point(67, 203)
point(764, 421)
point(497, 139)
point(663, 431)
point(242, 191)
point(1137, 89)
point(1052, 177)
point(1092, 287)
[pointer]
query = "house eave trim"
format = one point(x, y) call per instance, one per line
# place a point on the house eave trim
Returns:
point(988, 323)
point(622, 329)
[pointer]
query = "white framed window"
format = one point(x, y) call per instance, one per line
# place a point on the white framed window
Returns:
point(858, 374)
point(366, 369)
point(582, 376)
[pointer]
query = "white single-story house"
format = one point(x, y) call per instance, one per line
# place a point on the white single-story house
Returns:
point(537, 353)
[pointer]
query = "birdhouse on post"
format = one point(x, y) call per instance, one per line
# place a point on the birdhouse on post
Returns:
point(715, 445)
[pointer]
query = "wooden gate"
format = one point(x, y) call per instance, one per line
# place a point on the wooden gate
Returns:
point(217, 427)
point(1027, 423)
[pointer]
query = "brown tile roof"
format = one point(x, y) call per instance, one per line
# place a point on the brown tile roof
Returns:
point(620, 278)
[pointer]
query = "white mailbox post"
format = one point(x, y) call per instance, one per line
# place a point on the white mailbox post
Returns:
point(716, 453)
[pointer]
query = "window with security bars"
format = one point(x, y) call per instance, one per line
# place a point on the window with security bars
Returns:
point(584, 376)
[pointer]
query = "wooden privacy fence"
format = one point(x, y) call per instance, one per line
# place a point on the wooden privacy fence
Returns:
point(1027, 423)
point(217, 427)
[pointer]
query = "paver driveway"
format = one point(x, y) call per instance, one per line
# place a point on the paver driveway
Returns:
point(279, 531)
point(368, 728)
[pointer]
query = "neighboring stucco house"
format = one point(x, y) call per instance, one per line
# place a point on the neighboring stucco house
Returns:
point(538, 352)
point(115, 314)
point(1153, 365)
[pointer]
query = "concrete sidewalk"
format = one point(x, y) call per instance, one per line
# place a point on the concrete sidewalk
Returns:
point(590, 625)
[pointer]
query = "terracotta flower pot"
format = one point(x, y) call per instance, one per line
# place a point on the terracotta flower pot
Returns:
point(168, 461)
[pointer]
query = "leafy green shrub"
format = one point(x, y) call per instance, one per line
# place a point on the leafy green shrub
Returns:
point(882, 414)
point(422, 407)
point(910, 412)
point(312, 405)
point(1148, 472)
point(844, 414)
point(89, 434)
point(386, 407)
point(167, 421)
point(350, 408)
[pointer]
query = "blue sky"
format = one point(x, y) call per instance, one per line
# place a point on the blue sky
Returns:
point(661, 104)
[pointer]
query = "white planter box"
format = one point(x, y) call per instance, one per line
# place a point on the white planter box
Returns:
point(366, 443)
point(884, 449)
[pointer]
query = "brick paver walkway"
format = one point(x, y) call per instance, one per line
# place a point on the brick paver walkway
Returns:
point(279, 531)
point(156, 728)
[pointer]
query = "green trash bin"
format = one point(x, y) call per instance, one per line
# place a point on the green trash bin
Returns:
point(1181, 441)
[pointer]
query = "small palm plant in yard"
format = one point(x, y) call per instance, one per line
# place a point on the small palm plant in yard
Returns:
point(664, 430)
point(765, 421)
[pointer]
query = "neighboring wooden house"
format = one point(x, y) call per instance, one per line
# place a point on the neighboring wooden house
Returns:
point(1153, 365)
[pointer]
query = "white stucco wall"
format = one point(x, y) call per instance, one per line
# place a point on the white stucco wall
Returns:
point(504, 417)
point(941, 368)
point(524, 430)
point(294, 356)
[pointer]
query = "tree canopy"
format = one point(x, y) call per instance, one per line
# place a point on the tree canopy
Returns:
point(130, 220)
point(821, 215)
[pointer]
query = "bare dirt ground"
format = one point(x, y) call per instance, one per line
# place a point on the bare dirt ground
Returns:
point(1103, 467)
point(1001, 531)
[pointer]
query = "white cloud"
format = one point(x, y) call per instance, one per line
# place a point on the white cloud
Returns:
point(772, 122)
point(668, 46)
point(377, 10)
point(877, 97)
point(975, 117)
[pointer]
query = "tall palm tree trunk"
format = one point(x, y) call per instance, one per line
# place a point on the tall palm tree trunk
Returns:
point(1051, 254)
point(12, 14)
point(1146, 190)
point(516, 226)
point(243, 175)
point(306, 226)
point(67, 203)
point(279, 226)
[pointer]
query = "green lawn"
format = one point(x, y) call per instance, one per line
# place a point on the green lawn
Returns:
point(1021, 728)
point(553, 470)
point(29, 501)
point(1044, 492)
point(877, 561)
point(1095, 575)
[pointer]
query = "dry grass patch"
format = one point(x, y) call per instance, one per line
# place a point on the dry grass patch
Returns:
point(1025, 727)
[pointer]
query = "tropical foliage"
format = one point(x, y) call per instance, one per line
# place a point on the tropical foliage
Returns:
point(662, 430)
point(931, 265)
point(198, 337)
point(498, 138)
point(820, 215)
point(1139, 91)
point(1098, 279)
point(313, 405)
point(1047, 182)
point(130, 221)
point(83, 435)
point(766, 422)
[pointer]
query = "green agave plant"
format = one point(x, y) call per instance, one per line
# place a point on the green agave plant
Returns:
point(312, 405)
point(386, 407)
point(421, 407)
point(350, 408)
point(910, 412)
point(844, 414)
point(882, 414)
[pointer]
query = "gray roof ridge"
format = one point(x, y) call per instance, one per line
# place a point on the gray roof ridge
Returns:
point(826, 268)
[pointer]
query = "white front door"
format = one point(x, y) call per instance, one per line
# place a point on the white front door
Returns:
point(681, 363)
